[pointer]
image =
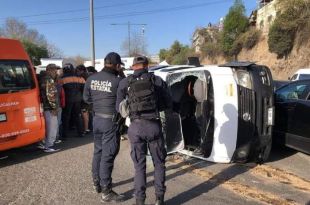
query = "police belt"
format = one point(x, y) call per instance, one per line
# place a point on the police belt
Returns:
point(103, 115)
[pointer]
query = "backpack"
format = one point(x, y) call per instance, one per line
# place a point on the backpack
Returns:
point(142, 95)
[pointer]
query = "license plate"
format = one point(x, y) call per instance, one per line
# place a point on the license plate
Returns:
point(2, 117)
point(270, 120)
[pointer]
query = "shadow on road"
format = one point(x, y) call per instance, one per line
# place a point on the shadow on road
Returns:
point(279, 152)
point(194, 162)
point(207, 186)
point(23, 154)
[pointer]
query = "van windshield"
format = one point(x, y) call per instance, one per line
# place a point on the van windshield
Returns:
point(15, 76)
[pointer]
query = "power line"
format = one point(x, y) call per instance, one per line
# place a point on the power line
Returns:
point(81, 10)
point(128, 14)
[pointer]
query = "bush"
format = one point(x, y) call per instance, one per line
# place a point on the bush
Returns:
point(236, 48)
point(251, 38)
point(211, 50)
point(294, 17)
point(281, 40)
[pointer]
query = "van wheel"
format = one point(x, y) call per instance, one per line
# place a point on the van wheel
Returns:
point(264, 153)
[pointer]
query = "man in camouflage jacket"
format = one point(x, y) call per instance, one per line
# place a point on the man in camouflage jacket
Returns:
point(50, 100)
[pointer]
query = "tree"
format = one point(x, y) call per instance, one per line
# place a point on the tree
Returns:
point(35, 52)
point(163, 54)
point(138, 45)
point(177, 54)
point(35, 43)
point(235, 23)
point(77, 60)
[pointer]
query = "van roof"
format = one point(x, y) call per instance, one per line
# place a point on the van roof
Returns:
point(303, 71)
point(11, 49)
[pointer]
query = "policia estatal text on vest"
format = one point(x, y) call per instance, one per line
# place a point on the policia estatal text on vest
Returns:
point(100, 91)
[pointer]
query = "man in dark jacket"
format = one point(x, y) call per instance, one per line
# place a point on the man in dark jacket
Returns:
point(100, 91)
point(73, 87)
point(147, 95)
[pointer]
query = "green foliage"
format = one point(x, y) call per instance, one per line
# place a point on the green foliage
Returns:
point(280, 39)
point(211, 50)
point(235, 23)
point(177, 54)
point(35, 51)
point(236, 48)
point(250, 38)
point(162, 54)
point(294, 18)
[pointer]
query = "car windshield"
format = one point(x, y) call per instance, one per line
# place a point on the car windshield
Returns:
point(15, 75)
point(304, 76)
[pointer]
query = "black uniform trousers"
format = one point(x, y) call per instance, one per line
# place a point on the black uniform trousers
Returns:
point(106, 147)
point(143, 134)
point(72, 111)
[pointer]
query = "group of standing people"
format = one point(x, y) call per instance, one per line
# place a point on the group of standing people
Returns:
point(61, 91)
point(143, 95)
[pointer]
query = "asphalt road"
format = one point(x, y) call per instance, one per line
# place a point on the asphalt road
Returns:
point(29, 176)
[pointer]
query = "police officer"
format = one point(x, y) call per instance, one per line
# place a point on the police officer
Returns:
point(100, 91)
point(146, 94)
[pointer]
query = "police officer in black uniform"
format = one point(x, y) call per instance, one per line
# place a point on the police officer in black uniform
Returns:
point(146, 95)
point(100, 91)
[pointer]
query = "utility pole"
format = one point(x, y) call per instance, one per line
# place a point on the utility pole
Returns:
point(128, 24)
point(92, 31)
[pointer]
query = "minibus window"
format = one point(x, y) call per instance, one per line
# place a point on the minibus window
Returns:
point(15, 75)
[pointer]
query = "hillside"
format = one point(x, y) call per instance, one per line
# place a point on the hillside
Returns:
point(281, 68)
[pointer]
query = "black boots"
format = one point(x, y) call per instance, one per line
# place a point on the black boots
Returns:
point(108, 195)
point(140, 201)
point(159, 200)
point(97, 186)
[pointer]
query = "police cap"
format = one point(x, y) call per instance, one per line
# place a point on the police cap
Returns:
point(113, 58)
point(140, 59)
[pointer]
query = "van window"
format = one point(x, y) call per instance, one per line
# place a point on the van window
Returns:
point(304, 76)
point(294, 77)
point(15, 75)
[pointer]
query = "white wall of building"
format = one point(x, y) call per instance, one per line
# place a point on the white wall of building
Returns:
point(265, 16)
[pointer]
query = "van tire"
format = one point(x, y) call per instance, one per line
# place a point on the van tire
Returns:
point(264, 153)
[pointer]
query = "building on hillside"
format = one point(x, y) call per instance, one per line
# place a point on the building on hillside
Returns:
point(266, 14)
point(203, 35)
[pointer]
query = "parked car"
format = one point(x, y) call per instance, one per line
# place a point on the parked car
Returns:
point(226, 111)
point(301, 74)
point(279, 83)
point(292, 115)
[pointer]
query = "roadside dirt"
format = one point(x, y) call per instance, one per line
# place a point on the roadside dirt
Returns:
point(244, 190)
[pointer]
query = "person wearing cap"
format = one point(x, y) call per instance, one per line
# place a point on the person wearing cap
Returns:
point(50, 101)
point(100, 91)
point(146, 96)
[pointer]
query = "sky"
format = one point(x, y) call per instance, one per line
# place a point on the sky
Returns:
point(65, 23)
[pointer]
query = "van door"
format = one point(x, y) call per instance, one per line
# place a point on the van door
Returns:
point(172, 128)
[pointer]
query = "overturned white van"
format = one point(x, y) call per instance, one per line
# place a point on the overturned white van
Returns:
point(221, 113)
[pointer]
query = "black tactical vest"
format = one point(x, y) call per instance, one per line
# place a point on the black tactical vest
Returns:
point(142, 96)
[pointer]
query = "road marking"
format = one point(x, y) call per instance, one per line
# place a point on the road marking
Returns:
point(281, 176)
point(234, 186)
